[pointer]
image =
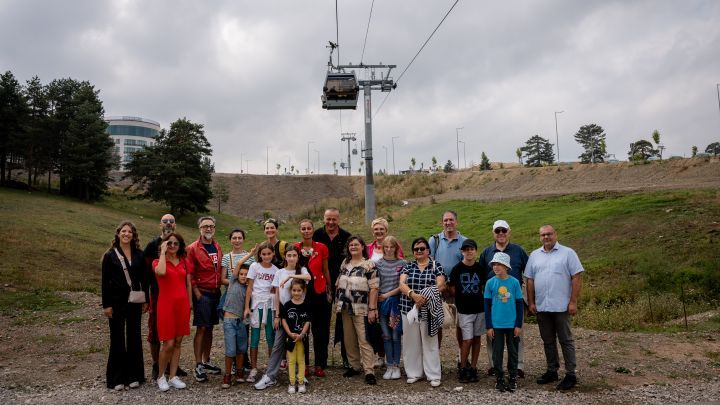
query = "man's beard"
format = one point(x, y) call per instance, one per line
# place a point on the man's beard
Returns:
point(208, 236)
point(167, 231)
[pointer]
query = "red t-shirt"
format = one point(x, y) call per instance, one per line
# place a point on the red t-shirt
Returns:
point(314, 264)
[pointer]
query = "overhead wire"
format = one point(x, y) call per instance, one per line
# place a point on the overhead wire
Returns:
point(416, 55)
point(366, 31)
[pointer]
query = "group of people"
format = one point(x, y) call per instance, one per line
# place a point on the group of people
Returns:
point(387, 306)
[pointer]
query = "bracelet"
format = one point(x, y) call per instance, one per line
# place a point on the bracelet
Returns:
point(410, 293)
point(373, 309)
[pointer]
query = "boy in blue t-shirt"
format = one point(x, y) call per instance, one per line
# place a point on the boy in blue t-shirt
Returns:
point(504, 319)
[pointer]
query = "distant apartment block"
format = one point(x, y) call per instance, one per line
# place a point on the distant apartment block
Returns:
point(131, 134)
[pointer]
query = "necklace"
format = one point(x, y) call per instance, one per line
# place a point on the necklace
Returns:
point(307, 252)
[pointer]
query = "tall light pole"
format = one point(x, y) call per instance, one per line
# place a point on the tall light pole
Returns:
point(392, 140)
point(386, 155)
point(348, 136)
point(318, 161)
point(287, 169)
point(241, 156)
point(464, 159)
point(267, 160)
point(457, 144)
point(307, 170)
point(557, 137)
point(247, 166)
point(717, 86)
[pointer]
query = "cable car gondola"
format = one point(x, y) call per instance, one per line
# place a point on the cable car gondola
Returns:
point(340, 91)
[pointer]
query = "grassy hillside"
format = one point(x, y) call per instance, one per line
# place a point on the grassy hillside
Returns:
point(637, 248)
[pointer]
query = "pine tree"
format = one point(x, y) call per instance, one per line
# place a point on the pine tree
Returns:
point(37, 135)
point(177, 169)
point(448, 168)
point(484, 162)
point(641, 150)
point(538, 151)
point(13, 110)
point(592, 138)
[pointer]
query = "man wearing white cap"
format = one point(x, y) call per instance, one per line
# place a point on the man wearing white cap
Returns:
point(553, 287)
point(518, 260)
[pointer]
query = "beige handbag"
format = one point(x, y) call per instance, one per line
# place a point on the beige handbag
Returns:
point(135, 297)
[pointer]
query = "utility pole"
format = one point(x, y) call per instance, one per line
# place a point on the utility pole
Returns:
point(393, 151)
point(457, 144)
point(557, 138)
point(385, 147)
point(267, 160)
point(384, 84)
point(464, 158)
point(307, 171)
point(348, 136)
point(318, 161)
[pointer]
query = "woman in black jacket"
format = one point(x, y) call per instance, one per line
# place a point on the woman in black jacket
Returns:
point(125, 362)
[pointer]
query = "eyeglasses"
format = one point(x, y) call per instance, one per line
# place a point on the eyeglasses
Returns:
point(498, 231)
point(419, 249)
point(168, 221)
point(207, 226)
point(171, 243)
point(545, 235)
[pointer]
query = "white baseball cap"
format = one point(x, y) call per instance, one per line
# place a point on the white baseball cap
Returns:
point(501, 224)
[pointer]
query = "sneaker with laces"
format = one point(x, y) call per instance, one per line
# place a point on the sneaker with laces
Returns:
point(463, 375)
point(199, 372)
point(396, 373)
point(252, 376)
point(239, 377)
point(388, 373)
point(134, 384)
point(211, 368)
point(227, 381)
point(568, 382)
point(301, 389)
point(233, 371)
point(435, 383)
point(265, 382)
point(291, 389)
point(548, 377)
point(413, 380)
point(176, 383)
point(119, 387)
point(500, 384)
point(163, 384)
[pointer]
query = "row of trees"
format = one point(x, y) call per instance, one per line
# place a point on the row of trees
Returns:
point(57, 128)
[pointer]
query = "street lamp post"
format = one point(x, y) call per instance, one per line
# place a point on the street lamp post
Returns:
point(392, 140)
point(287, 169)
point(318, 161)
point(307, 170)
point(464, 158)
point(717, 86)
point(241, 156)
point(247, 166)
point(557, 137)
point(267, 160)
point(386, 156)
point(457, 144)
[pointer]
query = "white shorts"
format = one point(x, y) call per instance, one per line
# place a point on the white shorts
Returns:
point(471, 325)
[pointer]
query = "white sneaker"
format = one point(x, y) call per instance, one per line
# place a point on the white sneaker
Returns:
point(134, 384)
point(175, 382)
point(379, 362)
point(395, 373)
point(301, 388)
point(388, 373)
point(435, 383)
point(413, 380)
point(291, 389)
point(265, 382)
point(119, 387)
point(252, 376)
point(163, 384)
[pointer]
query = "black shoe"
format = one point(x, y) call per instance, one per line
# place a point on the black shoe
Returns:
point(548, 377)
point(370, 379)
point(351, 372)
point(567, 383)
point(520, 373)
point(500, 384)
point(155, 371)
point(463, 376)
point(346, 365)
point(180, 372)
point(473, 375)
point(512, 384)
point(211, 368)
point(199, 372)
point(490, 371)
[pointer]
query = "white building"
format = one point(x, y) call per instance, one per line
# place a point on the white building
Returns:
point(131, 134)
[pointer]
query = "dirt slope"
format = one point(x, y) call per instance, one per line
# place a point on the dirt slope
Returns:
point(284, 196)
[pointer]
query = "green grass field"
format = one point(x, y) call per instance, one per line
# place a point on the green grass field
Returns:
point(637, 249)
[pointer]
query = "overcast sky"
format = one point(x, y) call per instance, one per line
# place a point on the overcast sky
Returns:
point(252, 72)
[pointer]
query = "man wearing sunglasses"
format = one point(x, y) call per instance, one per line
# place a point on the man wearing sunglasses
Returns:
point(518, 261)
point(167, 226)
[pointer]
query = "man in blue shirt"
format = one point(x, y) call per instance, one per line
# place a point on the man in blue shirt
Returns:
point(554, 280)
point(518, 259)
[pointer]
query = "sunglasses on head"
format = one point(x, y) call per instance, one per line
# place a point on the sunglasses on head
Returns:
point(419, 249)
point(500, 230)
point(168, 221)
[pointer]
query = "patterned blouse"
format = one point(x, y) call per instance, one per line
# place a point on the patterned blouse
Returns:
point(354, 285)
point(418, 280)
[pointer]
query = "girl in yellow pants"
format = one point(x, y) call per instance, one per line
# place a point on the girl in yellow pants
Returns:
point(295, 315)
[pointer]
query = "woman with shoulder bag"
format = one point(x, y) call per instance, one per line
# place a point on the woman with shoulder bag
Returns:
point(124, 297)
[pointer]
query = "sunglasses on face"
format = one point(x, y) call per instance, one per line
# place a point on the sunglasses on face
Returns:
point(207, 227)
point(168, 221)
point(546, 235)
point(171, 243)
point(419, 249)
point(498, 231)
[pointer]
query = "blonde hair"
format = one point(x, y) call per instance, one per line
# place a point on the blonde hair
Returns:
point(393, 241)
point(381, 221)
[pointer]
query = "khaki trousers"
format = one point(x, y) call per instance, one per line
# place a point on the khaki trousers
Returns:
point(359, 351)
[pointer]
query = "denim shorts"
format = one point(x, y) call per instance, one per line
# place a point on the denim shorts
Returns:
point(236, 339)
point(205, 310)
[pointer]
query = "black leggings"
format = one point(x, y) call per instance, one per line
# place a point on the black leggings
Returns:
point(320, 328)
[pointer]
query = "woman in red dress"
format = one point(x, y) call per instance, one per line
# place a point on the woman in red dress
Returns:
point(173, 311)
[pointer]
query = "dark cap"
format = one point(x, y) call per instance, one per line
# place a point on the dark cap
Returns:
point(468, 243)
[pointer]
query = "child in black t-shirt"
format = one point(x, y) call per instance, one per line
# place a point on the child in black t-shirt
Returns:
point(296, 317)
point(467, 284)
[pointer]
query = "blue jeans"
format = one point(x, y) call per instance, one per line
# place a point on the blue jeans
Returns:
point(392, 339)
point(236, 339)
